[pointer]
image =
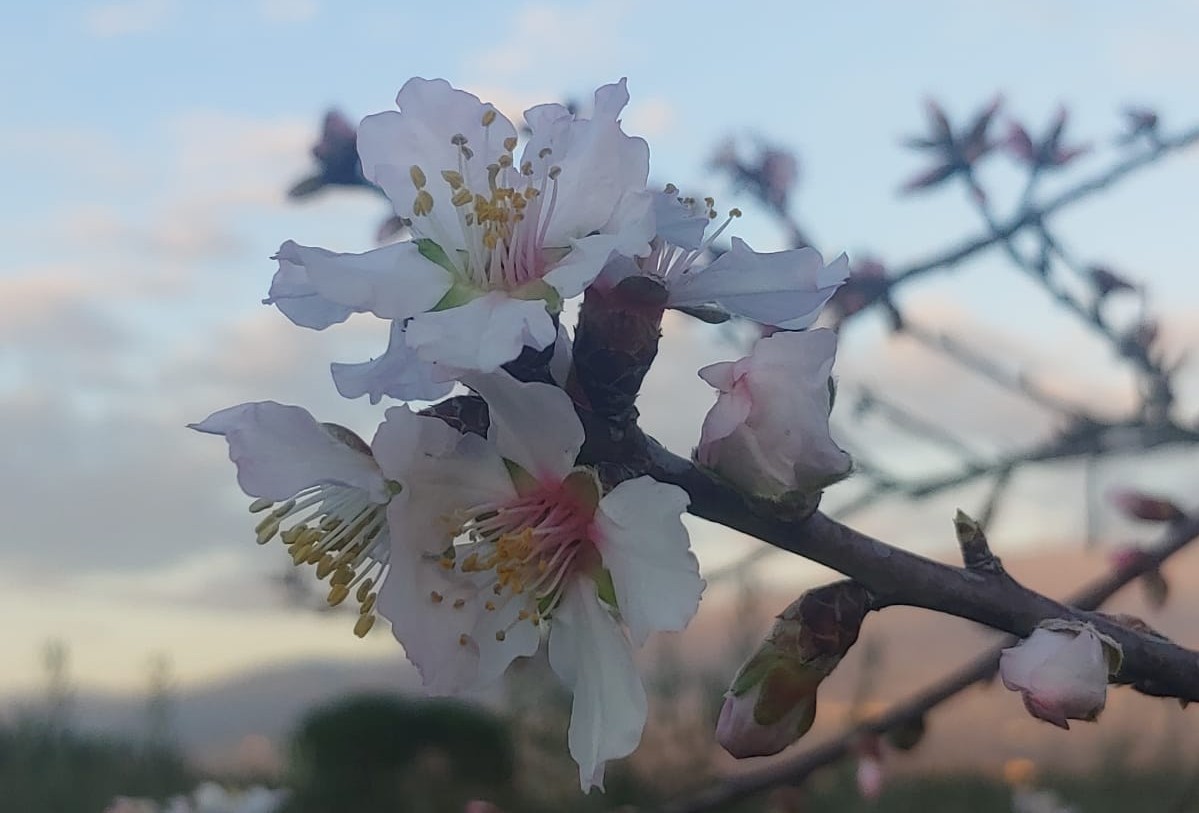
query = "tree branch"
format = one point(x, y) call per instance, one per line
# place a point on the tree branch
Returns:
point(898, 577)
point(914, 709)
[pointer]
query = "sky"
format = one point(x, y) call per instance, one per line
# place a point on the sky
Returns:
point(147, 146)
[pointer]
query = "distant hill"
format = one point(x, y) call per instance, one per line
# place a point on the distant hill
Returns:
point(234, 721)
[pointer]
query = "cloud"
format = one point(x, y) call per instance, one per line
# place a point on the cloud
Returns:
point(128, 17)
point(553, 41)
point(287, 11)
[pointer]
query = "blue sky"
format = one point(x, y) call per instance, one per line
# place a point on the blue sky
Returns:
point(147, 144)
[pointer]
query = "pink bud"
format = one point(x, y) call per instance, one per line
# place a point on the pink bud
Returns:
point(740, 732)
point(768, 431)
point(869, 776)
point(1138, 505)
point(1061, 671)
point(480, 806)
point(772, 700)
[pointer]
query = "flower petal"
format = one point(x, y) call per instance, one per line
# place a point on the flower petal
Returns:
point(431, 113)
point(532, 424)
point(627, 234)
point(641, 538)
point(483, 334)
point(589, 651)
point(786, 289)
point(392, 282)
point(293, 293)
point(441, 618)
point(599, 162)
point(448, 469)
point(398, 373)
point(280, 450)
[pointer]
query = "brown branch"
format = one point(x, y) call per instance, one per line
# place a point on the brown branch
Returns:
point(915, 708)
point(1027, 217)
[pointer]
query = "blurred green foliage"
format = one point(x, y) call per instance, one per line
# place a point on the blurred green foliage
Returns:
point(389, 754)
point(47, 769)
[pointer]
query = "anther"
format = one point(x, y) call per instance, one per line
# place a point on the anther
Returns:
point(453, 178)
point(500, 635)
point(364, 590)
point(436, 597)
point(545, 151)
point(489, 606)
point(505, 160)
point(459, 603)
point(510, 143)
point(554, 172)
point(462, 197)
point(488, 117)
point(671, 189)
point(526, 168)
point(338, 594)
point(260, 504)
point(325, 566)
point(368, 606)
point(423, 203)
point(463, 639)
point(418, 176)
point(458, 139)
point(363, 625)
point(467, 153)
point(734, 213)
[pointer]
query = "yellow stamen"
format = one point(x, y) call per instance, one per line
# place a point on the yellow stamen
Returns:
point(363, 625)
point(418, 176)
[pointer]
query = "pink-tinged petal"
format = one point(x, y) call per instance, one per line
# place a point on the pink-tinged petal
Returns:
point(768, 431)
point(431, 113)
point(640, 535)
point(731, 410)
point(589, 651)
point(280, 450)
point(786, 289)
point(599, 162)
point(392, 282)
point(398, 373)
point(1061, 671)
point(483, 334)
point(720, 375)
point(532, 424)
point(293, 293)
point(448, 469)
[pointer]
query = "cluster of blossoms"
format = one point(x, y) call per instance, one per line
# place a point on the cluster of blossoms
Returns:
point(478, 539)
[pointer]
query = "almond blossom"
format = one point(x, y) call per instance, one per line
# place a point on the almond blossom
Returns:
point(497, 540)
point(1061, 670)
point(321, 493)
point(784, 289)
point(768, 432)
point(499, 240)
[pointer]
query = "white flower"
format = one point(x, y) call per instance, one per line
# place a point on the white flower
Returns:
point(498, 539)
point(324, 495)
point(768, 431)
point(499, 241)
point(1061, 670)
point(786, 289)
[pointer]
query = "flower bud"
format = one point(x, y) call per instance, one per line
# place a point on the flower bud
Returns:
point(1062, 670)
point(772, 701)
point(1138, 505)
point(768, 432)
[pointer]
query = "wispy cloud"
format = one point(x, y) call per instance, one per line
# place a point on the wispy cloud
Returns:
point(288, 11)
point(127, 17)
point(556, 40)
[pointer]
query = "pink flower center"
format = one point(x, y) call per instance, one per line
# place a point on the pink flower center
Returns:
point(523, 550)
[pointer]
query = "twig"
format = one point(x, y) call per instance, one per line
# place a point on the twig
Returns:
point(915, 708)
point(968, 248)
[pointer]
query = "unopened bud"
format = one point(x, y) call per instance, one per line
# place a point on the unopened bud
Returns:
point(772, 700)
point(906, 735)
point(1138, 505)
